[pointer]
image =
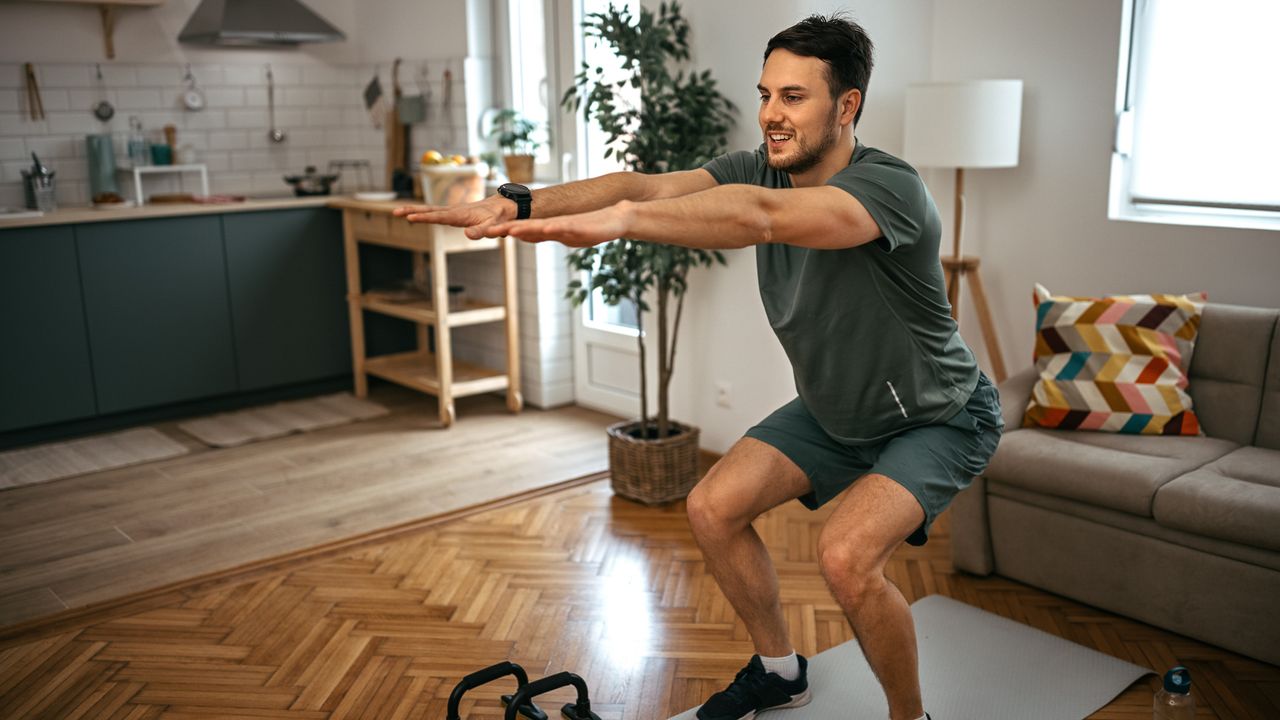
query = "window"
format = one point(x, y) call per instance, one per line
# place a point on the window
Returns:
point(530, 85)
point(1196, 138)
point(597, 54)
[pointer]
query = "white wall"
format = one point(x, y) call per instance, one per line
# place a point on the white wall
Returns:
point(725, 336)
point(1046, 220)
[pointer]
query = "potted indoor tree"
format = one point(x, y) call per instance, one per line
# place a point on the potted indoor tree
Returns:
point(515, 136)
point(680, 122)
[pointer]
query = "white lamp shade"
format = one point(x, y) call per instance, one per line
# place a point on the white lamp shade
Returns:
point(971, 124)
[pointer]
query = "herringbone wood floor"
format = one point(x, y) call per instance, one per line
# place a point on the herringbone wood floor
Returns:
point(575, 580)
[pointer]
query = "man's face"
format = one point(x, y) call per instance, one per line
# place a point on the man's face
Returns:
point(799, 119)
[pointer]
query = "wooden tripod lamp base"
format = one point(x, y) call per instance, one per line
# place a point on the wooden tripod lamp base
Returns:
point(958, 268)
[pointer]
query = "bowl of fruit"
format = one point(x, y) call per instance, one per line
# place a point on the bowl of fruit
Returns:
point(451, 179)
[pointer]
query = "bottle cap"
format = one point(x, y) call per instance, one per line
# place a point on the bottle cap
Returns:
point(1178, 680)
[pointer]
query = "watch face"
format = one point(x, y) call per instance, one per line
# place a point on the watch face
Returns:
point(514, 190)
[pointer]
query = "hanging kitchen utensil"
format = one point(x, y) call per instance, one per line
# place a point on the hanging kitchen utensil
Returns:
point(397, 142)
point(193, 97)
point(373, 99)
point(103, 110)
point(275, 135)
point(446, 102)
point(34, 104)
point(413, 108)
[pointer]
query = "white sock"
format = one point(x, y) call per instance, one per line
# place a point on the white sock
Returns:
point(787, 668)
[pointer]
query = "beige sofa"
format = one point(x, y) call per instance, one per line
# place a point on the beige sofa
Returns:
point(1179, 532)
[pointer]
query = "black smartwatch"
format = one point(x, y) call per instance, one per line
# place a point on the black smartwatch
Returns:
point(522, 197)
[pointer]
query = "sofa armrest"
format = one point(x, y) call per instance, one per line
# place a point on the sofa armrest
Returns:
point(970, 531)
point(1015, 393)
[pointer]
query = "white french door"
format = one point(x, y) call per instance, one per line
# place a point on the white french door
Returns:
point(606, 356)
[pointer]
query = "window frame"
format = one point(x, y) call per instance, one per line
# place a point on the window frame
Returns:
point(1122, 204)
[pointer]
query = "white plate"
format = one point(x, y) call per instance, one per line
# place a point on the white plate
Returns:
point(375, 196)
point(113, 206)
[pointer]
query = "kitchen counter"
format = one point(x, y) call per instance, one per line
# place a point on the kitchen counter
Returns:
point(65, 216)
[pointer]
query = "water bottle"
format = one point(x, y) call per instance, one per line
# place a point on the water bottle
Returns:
point(1174, 701)
point(139, 154)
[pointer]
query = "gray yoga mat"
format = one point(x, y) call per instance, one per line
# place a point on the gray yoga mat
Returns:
point(973, 666)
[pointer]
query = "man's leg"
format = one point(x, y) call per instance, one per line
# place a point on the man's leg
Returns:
point(874, 516)
point(750, 479)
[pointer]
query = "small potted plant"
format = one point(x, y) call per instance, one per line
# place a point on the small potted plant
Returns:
point(515, 135)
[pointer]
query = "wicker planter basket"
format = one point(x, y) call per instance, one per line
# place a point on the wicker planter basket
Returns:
point(653, 471)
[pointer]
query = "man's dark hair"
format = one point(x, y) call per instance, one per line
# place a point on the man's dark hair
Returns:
point(839, 42)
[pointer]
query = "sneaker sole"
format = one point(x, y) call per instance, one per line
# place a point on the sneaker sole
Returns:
point(797, 701)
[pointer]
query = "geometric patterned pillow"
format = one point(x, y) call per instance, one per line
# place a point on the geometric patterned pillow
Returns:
point(1115, 364)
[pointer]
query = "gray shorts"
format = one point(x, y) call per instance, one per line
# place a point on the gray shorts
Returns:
point(933, 462)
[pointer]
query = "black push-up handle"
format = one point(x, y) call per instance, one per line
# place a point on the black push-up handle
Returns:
point(580, 710)
point(488, 675)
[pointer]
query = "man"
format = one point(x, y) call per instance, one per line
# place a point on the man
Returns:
point(892, 417)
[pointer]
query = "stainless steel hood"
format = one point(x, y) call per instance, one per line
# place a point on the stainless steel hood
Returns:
point(257, 22)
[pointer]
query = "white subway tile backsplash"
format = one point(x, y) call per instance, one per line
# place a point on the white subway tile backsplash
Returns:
point(56, 147)
point(65, 76)
point(162, 75)
point(217, 162)
point(141, 99)
point(247, 119)
point(255, 96)
point(290, 118)
point(207, 75)
point(12, 101)
point(285, 75)
point(113, 76)
point(243, 161)
point(324, 117)
point(11, 170)
point(228, 139)
point(207, 119)
point(12, 148)
point(53, 100)
point(15, 124)
point(85, 99)
point(300, 97)
point(245, 75)
point(73, 122)
point(224, 97)
point(341, 97)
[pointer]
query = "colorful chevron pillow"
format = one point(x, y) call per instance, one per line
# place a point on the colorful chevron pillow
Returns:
point(1115, 364)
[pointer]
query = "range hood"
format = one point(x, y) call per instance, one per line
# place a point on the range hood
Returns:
point(257, 22)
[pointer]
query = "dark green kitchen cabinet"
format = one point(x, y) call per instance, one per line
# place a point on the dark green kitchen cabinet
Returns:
point(156, 302)
point(45, 371)
point(288, 292)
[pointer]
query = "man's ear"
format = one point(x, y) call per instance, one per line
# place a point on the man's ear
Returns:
point(849, 104)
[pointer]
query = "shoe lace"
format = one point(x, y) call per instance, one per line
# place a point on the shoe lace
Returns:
point(747, 685)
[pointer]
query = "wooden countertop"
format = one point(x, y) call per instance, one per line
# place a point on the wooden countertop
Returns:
point(159, 210)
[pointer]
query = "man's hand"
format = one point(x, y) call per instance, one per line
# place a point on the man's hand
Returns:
point(582, 230)
point(476, 217)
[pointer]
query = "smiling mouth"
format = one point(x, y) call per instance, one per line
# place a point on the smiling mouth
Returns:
point(777, 140)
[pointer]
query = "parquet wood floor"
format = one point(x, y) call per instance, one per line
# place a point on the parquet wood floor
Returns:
point(86, 540)
point(575, 580)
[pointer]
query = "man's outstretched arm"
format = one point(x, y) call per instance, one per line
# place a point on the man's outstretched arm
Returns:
point(568, 199)
point(722, 217)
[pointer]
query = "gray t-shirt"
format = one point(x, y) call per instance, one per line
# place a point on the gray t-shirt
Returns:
point(868, 329)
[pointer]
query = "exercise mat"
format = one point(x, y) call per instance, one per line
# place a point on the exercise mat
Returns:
point(974, 665)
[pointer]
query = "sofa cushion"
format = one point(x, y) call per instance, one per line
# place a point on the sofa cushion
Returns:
point(1121, 472)
point(1252, 554)
point(1236, 497)
point(1115, 364)
point(1269, 419)
point(1228, 368)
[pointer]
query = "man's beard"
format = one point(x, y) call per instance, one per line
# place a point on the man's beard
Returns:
point(807, 158)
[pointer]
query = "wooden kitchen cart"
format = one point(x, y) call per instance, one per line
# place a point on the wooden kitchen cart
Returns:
point(435, 373)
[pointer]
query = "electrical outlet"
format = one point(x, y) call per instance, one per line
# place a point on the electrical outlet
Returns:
point(723, 394)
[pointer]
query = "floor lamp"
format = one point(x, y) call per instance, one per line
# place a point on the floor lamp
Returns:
point(970, 124)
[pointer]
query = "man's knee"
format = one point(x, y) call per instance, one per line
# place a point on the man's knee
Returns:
point(852, 570)
point(712, 508)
